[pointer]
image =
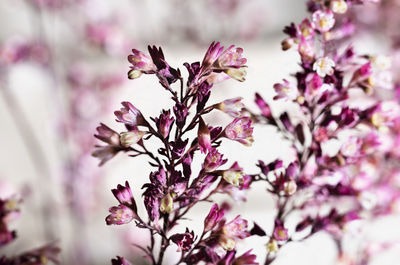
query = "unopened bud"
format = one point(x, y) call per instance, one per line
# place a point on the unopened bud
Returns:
point(167, 204)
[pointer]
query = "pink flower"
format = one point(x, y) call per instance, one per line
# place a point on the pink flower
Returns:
point(124, 195)
point(132, 137)
point(324, 66)
point(240, 130)
point(352, 147)
point(306, 29)
point(323, 20)
point(141, 63)
point(231, 232)
point(233, 106)
point(229, 61)
point(204, 137)
point(280, 232)
point(129, 115)
point(286, 91)
point(213, 160)
point(120, 215)
point(237, 228)
point(212, 54)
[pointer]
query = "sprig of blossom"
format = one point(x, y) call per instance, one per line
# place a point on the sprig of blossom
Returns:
point(173, 188)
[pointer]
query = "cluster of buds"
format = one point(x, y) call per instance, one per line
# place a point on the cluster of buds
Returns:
point(173, 188)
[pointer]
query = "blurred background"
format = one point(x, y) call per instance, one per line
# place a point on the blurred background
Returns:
point(63, 66)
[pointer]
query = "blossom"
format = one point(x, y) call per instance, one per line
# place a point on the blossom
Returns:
point(351, 147)
point(164, 123)
point(280, 232)
point(141, 63)
point(229, 61)
point(324, 66)
point(323, 20)
point(234, 175)
point(240, 130)
point(183, 241)
point(306, 29)
point(204, 137)
point(233, 106)
point(132, 137)
point(213, 160)
point(339, 6)
point(129, 115)
point(286, 90)
point(231, 231)
point(124, 195)
point(120, 215)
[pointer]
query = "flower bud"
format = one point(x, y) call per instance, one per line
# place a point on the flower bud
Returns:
point(204, 137)
point(167, 204)
point(290, 187)
point(233, 177)
point(226, 242)
point(130, 138)
point(233, 106)
point(272, 246)
point(287, 44)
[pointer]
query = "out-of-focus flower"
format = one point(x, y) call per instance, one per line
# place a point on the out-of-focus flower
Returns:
point(286, 90)
point(339, 6)
point(280, 232)
point(323, 20)
point(324, 66)
point(240, 130)
point(235, 229)
point(351, 147)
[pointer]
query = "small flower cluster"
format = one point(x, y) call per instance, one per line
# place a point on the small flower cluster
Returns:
point(173, 188)
point(360, 174)
point(9, 212)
